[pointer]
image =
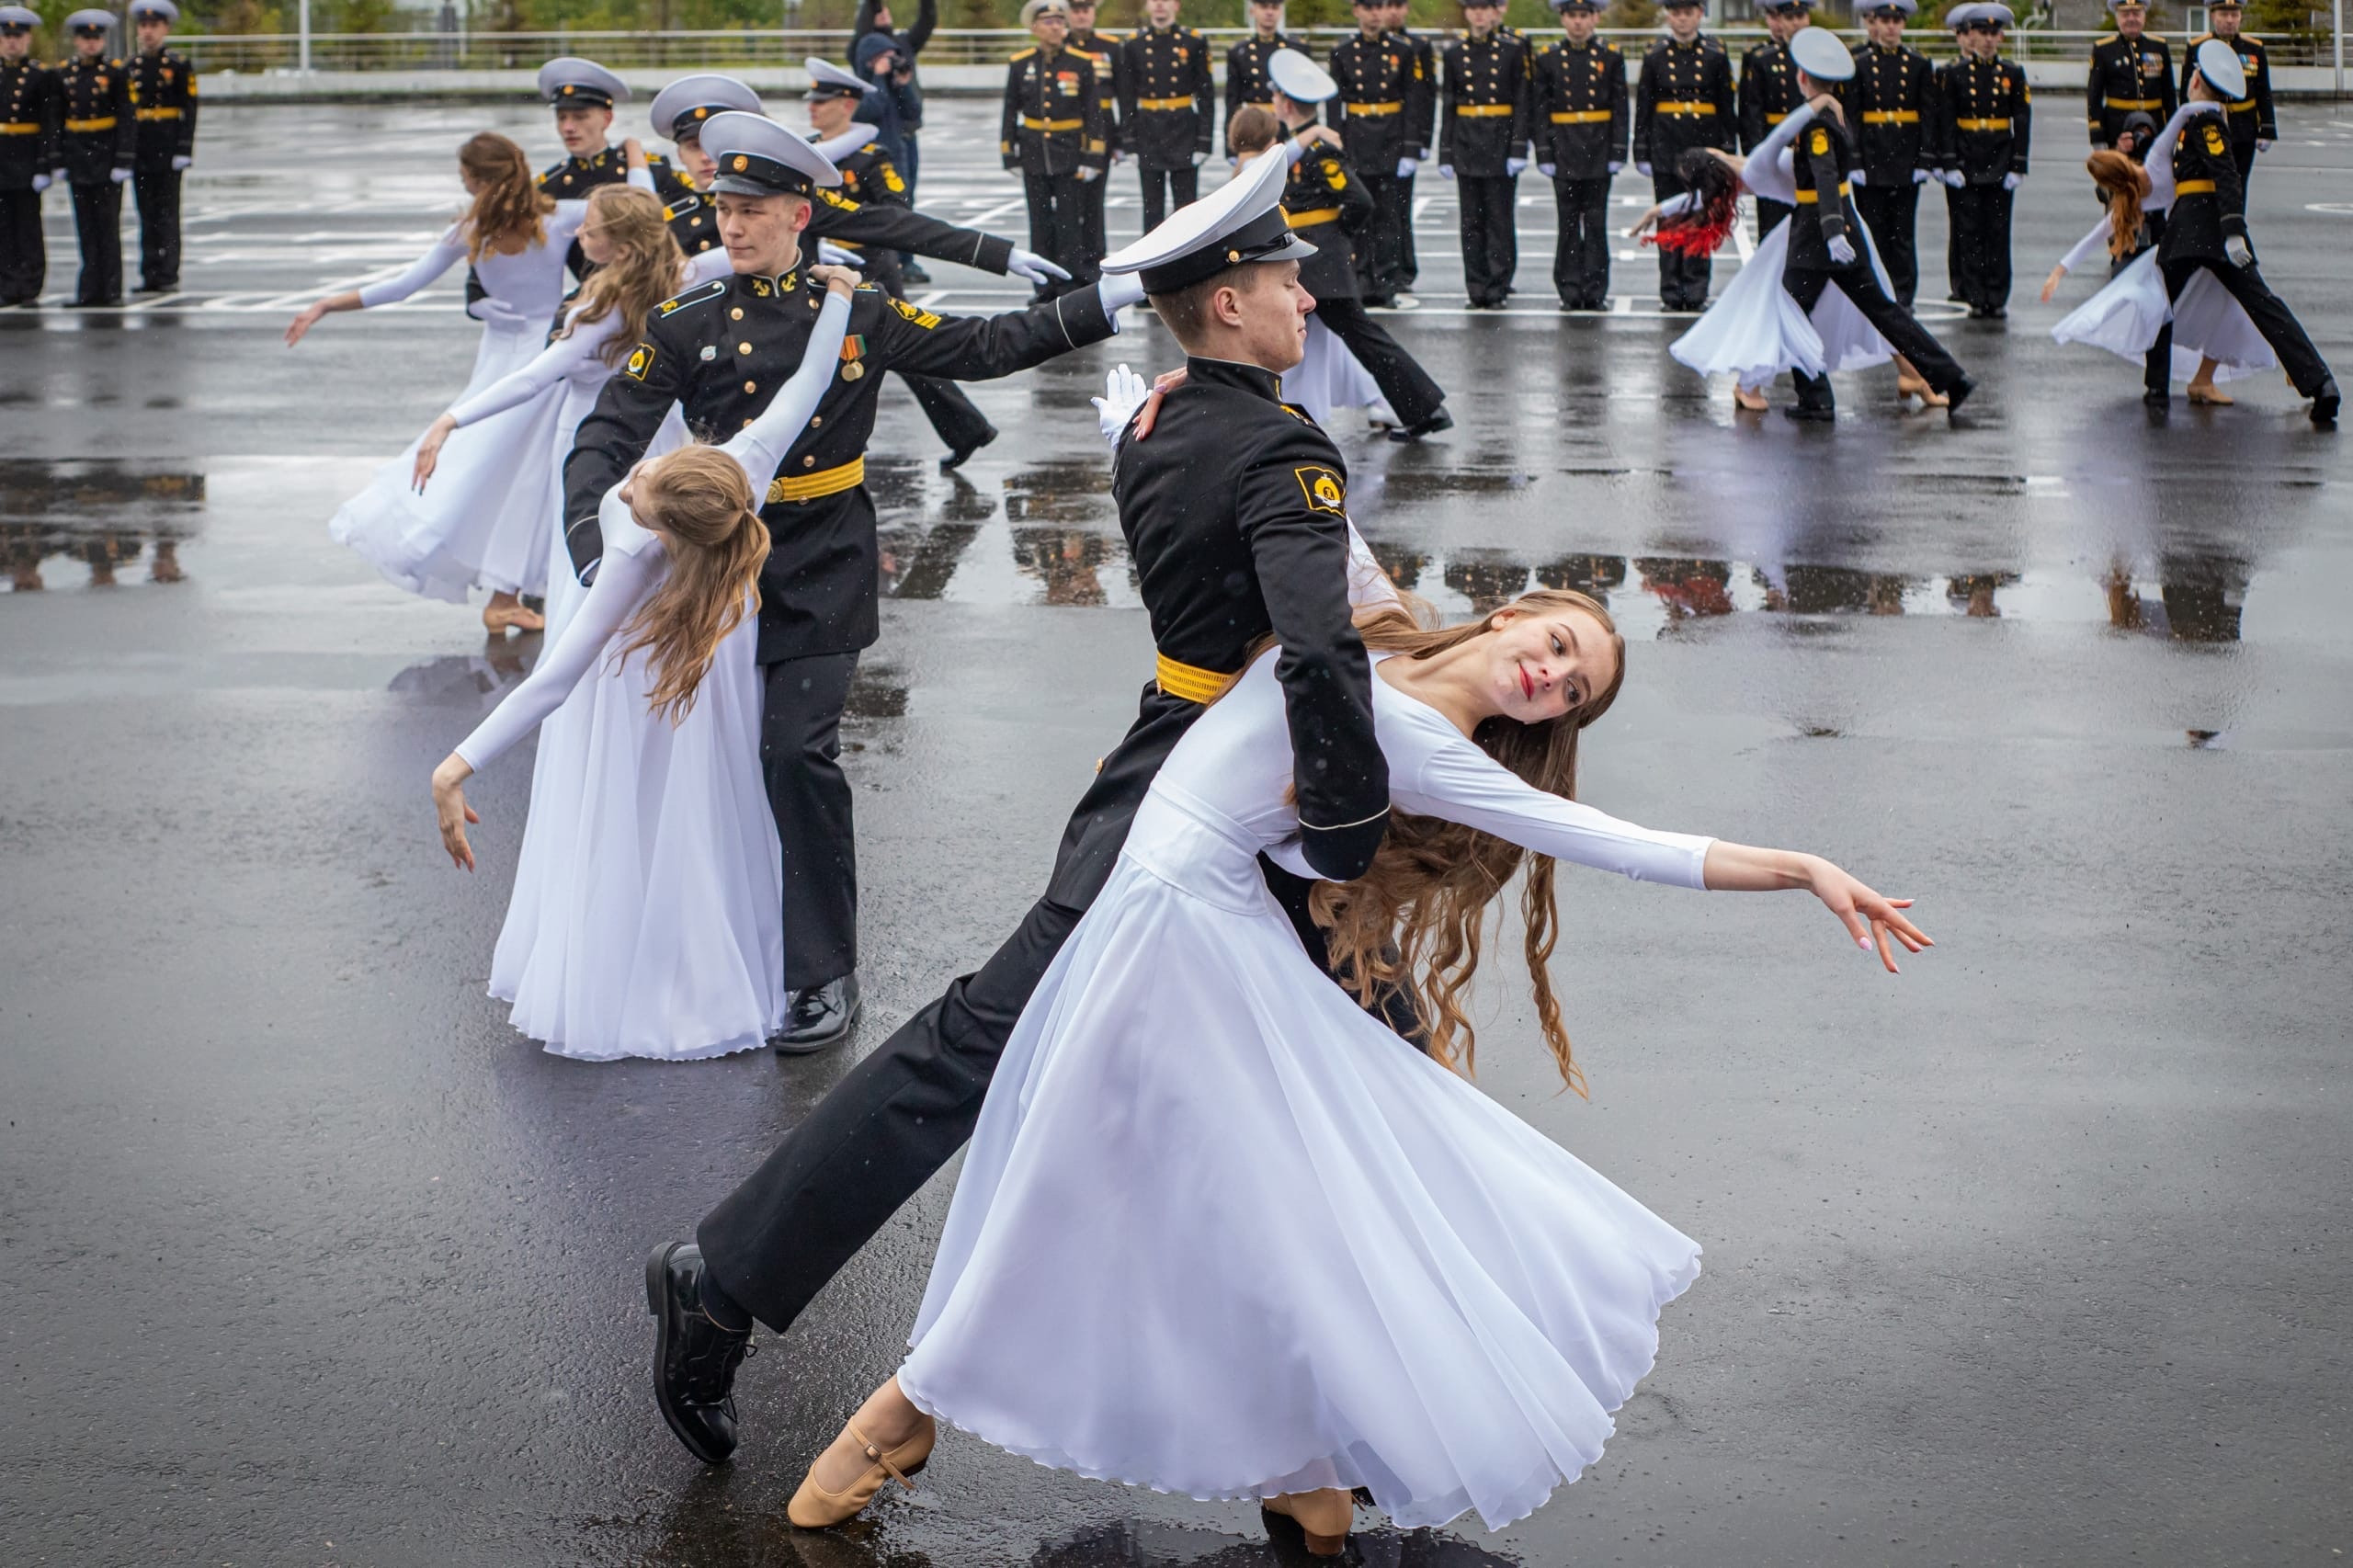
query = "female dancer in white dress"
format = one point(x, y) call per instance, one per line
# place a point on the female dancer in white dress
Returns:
point(653, 927)
point(481, 527)
point(1219, 1233)
point(2213, 339)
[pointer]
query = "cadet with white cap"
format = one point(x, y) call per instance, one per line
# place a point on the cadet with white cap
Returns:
point(677, 112)
point(98, 142)
point(163, 97)
point(29, 156)
point(1986, 120)
point(2131, 73)
point(1684, 104)
point(583, 93)
point(2205, 230)
point(1580, 119)
point(1235, 509)
point(719, 352)
point(1890, 104)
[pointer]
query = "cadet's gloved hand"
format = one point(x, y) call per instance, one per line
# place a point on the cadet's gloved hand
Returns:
point(1199, 158)
point(180, 161)
point(831, 255)
point(1643, 169)
point(1920, 177)
point(2263, 143)
point(1515, 167)
point(2239, 251)
point(1029, 264)
point(40, 183)
point(1445, 171)
point(1615, 164)
point(57, 175)
point(1117, 289)
point(1123, 393)
point(117, 175)
point(1088, 175)
point(1405, 168)
point(1842, 250)
point(1955, 178)
point(1550, 170)
point(2011, 182)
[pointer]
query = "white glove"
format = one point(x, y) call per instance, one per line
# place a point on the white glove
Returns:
point(1548, 170)
point(2242, 255)
point(40, 183)
point(1920, 177)
point(181, 161)
point(1615, 164)
point(831, 255)
point(1088, 175)
point(496, 311)
point(2010, 182)
point(1445, 171)
point(1515, 167)
point(1842, 250)
point(1955, 178)
point(1643, 169)
point(2263, 143)
point(1029, 264)
point(1117, 289)
point(1199, 158)
point(57, 177)
point(117, 175)
point(1856, 176)
point(1123, 393)
point(1405, 168)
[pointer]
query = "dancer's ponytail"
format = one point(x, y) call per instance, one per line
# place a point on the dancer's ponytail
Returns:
point(702, 504)
point(2124, 184)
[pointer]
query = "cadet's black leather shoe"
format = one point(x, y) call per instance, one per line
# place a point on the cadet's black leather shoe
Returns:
point(2325, 403)
point(956, 455)
point(1957, 394)
point(819, 1016)
point(1811, 414)
point(693, 1358)
point(1436, 422)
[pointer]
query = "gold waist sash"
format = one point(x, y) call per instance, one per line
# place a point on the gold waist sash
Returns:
point(825, 482)
point(1189, 683)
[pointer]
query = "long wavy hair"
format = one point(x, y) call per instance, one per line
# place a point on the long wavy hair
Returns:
point(1714, 211)
point(2123, 185)
point(643, 269)
point(509, 204)
point(698, 498)
point(1417, 918)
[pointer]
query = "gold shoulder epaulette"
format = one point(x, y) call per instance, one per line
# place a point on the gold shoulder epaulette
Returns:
point(1026, 54)
point(2106, 38)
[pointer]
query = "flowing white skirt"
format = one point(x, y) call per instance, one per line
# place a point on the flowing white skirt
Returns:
point(483, 520)
point(2126, 315)
point(1754, 331)
point(1221, 1234)
point(1329, 378)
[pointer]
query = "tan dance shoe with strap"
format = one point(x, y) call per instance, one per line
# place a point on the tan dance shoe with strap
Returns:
point(815, 1508)
point(1324, 1518)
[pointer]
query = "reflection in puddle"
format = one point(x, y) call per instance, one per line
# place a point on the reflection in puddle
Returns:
point(2197, 598)
point(470, 680)
point(877, 691)
point(102, 515)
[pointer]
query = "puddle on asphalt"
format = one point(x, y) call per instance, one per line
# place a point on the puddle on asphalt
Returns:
point(95, 523)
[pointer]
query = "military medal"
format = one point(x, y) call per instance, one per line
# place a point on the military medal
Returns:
point(852, 347)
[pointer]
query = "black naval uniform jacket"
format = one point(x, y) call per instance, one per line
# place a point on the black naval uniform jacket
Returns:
point(1485, 121)
point(99, 135)
point(573, 178)
point(1235, 515)
point(1166, 98)
point(1054, 120)
point(1103, 53)
point(162, 100)
point(2251, 117)
point(1421, 105)
point(2209, 202)
point(1327, 205)
point(1768, 91)
point(1246, 81)
point(860, 217)
point(871, 178)
point(2129, 75)
point(1578, 113)
point(721, 350)
point(1825, 209)
point(1986, 115)
point(30, 112)
point(1683, 99)
point(1380, 82)
point(1890, 103)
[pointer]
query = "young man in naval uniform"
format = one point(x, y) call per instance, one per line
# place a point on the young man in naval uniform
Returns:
point(583, 93)
point(1054, 132)
point(1985, 122)
point(2254, 126)
point(1483, 147)
point(1768, 91)
point(1580, 119)
point(1245, 62)
point(1167, 97)
point(1683, 99)
point(163, 100)
point(1235, 507)
point(1379, 82)
point(31, 158)
point(719, 353)
point(1890, 104)
point(100, 142)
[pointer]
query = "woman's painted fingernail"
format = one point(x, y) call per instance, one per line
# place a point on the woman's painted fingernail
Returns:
point(1864, 943)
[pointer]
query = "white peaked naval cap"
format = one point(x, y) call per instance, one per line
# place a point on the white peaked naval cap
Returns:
point(2219, 63)
point(1299, 78)
point(1241, 221)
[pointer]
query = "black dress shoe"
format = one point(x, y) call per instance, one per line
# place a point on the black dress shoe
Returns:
point(2155, 399)
point(1436, 422)
point(1957, 394)
point(956, 455)
point(2325, 403)
point(693, 1358)
point(818, 1016)
point(1811, 414)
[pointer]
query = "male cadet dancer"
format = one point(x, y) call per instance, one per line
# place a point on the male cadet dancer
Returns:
point(1167, 97)
point(720, 352)
point(1379, 88)
point(583, 93)
point(1768, 91)
point(99, 140)
point(162, 100)
point(2254, 127)
point(1890, 104)
point(1825, 249)
point(1235, 513)
point(1053, 131)
point(1580, 121)
point(1986, 118)
point(1245, 62)
point(2132, 74)
point(1103, 53)
point(2206, 229)
point(1483, 147)
point(31, 158)
point(1683, 100)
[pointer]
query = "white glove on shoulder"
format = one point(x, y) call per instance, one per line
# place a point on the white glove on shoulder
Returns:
point(2242, 255)
point(57, 177)
point(117, 175)
point(1552, 171)
point(831, 255)
point(1029, 264)
point(1515, 167)
point(2011, 182)
point(1405, 168)
point(1445, 171)
point(1842, 250)
point(181, 161)
point(1123, 393)
point(1117, 289)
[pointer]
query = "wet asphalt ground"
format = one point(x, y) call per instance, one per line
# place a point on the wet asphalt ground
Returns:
point(2036, 1254)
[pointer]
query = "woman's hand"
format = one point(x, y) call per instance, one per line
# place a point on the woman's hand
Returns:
point(449, 806)
point(633, 152)
point(429, 450)
point(303, 323)
point(1166, 382)
point(1827, 103)
point(1644, 224)
point(838, 280)
point(2051, 284)
point(1875, 922)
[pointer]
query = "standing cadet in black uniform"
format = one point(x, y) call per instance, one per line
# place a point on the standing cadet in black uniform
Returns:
point(583, 93)
point(2254, 126)
point(1103, 53)
point(1054, 132)
point(2206, 229)
point(1987, 118)
point(1167, 97)
point(1245, 62)
point(1768, 91)
point(1377, 76)
point(720, 352)
point(1483, 147)
point(2131, 73)
point(30, 159)
point(1890, 104)
point(1235, 508)
point(1580, 121)
point(1825, 249)
point(1682, 101)
point(163, 98)
point(1421, 124)
point(98, 140)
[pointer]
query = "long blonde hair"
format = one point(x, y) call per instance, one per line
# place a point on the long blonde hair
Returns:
point(698, 498)
point(2125, 185)
point(1417, 918)
point(643, 271)
point(509, 205)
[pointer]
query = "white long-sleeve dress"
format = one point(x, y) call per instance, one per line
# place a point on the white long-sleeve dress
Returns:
point(1221, 1234)
point(646, 918)
point(2126, 315)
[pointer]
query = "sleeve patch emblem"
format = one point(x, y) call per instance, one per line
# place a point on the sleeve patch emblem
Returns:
point(1323, 491)
point(915, 313)
point(2214, 141)
point(641, 360)
point(1821, 141)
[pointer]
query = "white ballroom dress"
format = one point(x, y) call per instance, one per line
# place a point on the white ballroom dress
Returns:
point(1328, 378)
point(647, 915)
point(1220, 1234)
point(2126, 315)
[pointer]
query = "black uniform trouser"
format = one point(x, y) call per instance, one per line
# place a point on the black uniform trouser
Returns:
point(1682, 279)
point(1409, 261)
point(1380, 256)
point(801, 748)
point(958, 420)
point(158, 193)
point(1058, 225)
point(2243, 155)
point(1981, 243)
point(1902, 332)
point(1893, 212)
point(1160, 185)
point(97, 225)
point(2271, 315)
point(1769, 212)
point(1094, 238)
point(1580, 259)
point(1490, 240)
point(24, 258)
point(1399, 376)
